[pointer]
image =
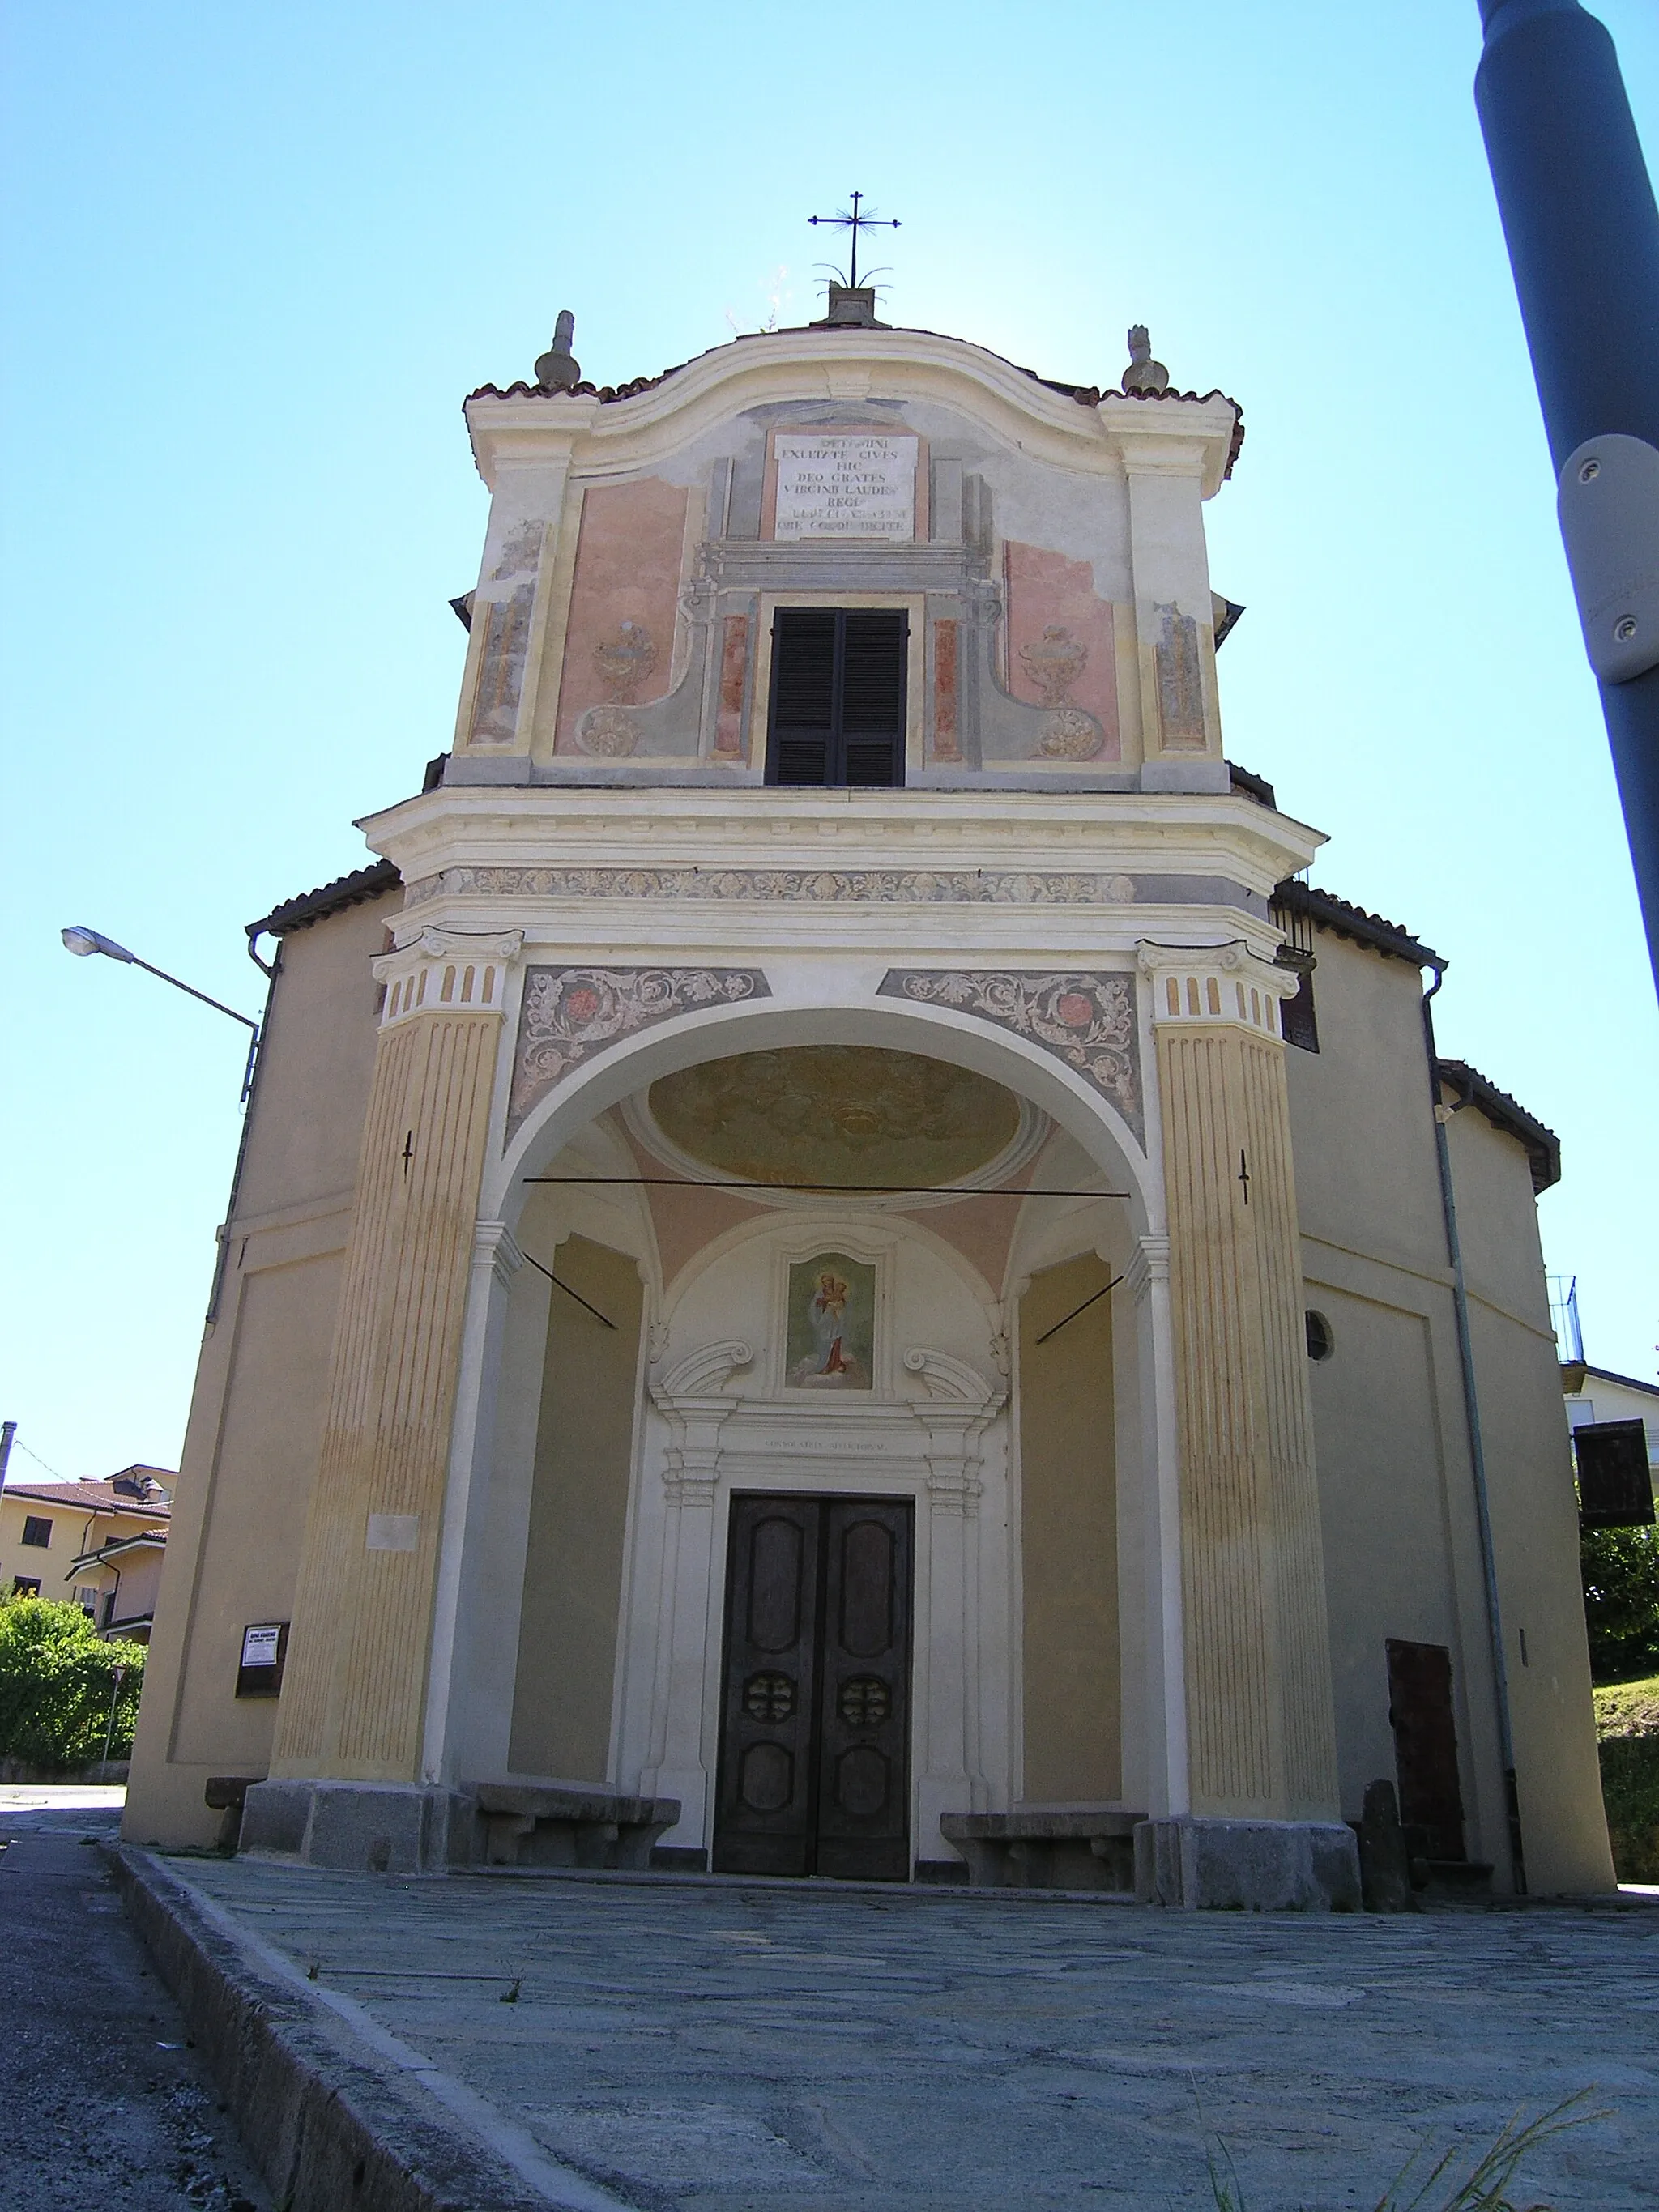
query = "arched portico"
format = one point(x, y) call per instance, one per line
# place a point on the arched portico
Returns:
point(714, 1418)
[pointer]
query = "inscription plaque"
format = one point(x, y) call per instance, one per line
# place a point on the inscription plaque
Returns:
point(845, 484)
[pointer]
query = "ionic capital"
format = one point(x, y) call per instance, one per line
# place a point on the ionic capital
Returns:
point(447, 971)
point(1207, 986)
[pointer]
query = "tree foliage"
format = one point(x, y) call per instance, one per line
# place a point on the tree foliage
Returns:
point(57, 1681)
point(1621, 1601)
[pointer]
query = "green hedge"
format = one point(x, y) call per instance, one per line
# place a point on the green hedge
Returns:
point(1627, 1723)
point(57, 1678)
point(1621, 1601)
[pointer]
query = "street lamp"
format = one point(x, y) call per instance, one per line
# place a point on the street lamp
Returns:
point(83, 943)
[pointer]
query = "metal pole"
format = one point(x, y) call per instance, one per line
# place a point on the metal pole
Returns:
point(8, 1431)
point(1582, 233)
point(117, 1676)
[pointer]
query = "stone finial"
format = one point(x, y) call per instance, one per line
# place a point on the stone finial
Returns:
point(559, 370)
point(1144, 374)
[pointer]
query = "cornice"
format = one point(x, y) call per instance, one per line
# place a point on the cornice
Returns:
point(1217, 833)
point(1195, 435)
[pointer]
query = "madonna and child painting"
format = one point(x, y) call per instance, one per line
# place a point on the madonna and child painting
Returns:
point(832, 1323)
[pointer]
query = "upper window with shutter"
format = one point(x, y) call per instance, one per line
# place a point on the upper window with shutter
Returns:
point(838, 697)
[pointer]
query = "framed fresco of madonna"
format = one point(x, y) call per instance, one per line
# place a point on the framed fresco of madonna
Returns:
point(830, 1337)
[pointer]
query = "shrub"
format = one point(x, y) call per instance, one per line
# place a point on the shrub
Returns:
point(1621, 1601)
point(57, 1679)
point(1627, 1721)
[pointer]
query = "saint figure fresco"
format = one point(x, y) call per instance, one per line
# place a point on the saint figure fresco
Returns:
point(831, 1340)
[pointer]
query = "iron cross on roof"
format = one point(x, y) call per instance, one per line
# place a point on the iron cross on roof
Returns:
point(855, 221)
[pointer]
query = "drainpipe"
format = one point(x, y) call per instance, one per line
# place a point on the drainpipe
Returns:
point(271, 969)
point(1500, 1671)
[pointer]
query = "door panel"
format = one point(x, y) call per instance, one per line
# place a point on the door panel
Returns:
point(1422, 1717)
point(763, 1797)
point(863, 1822)
point(814, 1763)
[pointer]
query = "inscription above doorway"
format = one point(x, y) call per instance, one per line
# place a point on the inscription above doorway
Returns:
point(815, 1699)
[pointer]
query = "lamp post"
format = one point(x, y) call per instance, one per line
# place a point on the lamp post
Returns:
point(117, 1676)
point(1582, 233)
point(83, 943)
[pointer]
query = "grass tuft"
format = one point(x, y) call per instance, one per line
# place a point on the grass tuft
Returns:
point(1436, 2188)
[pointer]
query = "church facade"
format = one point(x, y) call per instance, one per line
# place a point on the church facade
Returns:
point(837, 1269)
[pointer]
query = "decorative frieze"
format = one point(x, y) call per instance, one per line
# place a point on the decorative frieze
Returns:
point(858, 887)
point(1086, 1020)
point(569, 1014)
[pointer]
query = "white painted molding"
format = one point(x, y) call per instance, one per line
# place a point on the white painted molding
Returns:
point(495, 1246)
point(1149, 1263)
point(953, 1380)
point(702, 1372)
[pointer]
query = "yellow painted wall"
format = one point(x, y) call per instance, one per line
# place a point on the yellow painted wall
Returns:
point(1534, 1512)
point(251, 1449)
point(1068, 1541)
point(578, 1520)
point(1397, 1498)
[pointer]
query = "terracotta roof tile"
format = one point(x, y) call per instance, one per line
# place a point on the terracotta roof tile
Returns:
point(363, 883)
point(1326, 911)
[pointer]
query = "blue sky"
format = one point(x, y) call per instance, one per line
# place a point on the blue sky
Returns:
point(256, 257)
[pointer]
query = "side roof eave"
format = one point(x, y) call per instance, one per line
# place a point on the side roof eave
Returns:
point(355, 890)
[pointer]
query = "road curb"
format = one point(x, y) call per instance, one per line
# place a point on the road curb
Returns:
point(336, 2119)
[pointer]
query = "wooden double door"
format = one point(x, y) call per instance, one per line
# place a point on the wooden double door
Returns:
point(814, 1771)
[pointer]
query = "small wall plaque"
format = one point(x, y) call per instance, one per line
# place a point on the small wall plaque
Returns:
point(264, 1649)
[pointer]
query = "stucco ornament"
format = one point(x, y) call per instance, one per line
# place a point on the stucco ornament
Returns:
point(1088, 1021)
point(569, 1014)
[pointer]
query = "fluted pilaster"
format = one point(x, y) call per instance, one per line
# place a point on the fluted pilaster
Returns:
point(1260, 1731)
point(353, 1698)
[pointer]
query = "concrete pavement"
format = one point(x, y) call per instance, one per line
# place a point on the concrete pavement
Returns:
point(741, 2047)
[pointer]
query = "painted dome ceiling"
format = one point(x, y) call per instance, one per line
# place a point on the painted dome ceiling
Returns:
point(841, 1115)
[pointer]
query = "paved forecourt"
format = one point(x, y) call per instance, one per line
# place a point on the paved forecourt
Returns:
point(760, 2048)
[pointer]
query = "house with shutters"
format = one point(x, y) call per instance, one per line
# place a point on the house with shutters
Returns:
point(838, 1268)
point(99, 1545)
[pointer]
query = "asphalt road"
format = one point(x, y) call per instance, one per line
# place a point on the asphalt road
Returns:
point(106, 2102)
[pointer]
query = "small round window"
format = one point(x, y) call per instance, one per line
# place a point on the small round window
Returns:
point(1319, 1345)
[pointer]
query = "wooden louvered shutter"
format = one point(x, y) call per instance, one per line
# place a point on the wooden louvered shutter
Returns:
point(837, 697)
point(872, 698)
point(804, 642)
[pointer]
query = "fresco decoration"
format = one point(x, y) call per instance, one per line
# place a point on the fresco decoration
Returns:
point(830, 1336)
point(569, 1014)
point(1054, 663)
point(1180, 682)
point(500, 667)
point(1061, 651)
point(625, 607)
point(840, 1115)
point(864, 886)
point(1088, 1021)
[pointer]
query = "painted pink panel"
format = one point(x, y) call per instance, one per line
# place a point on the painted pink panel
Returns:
point(946, 744)
point(628, 571)
point(734, 667)
point(1060, 648)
